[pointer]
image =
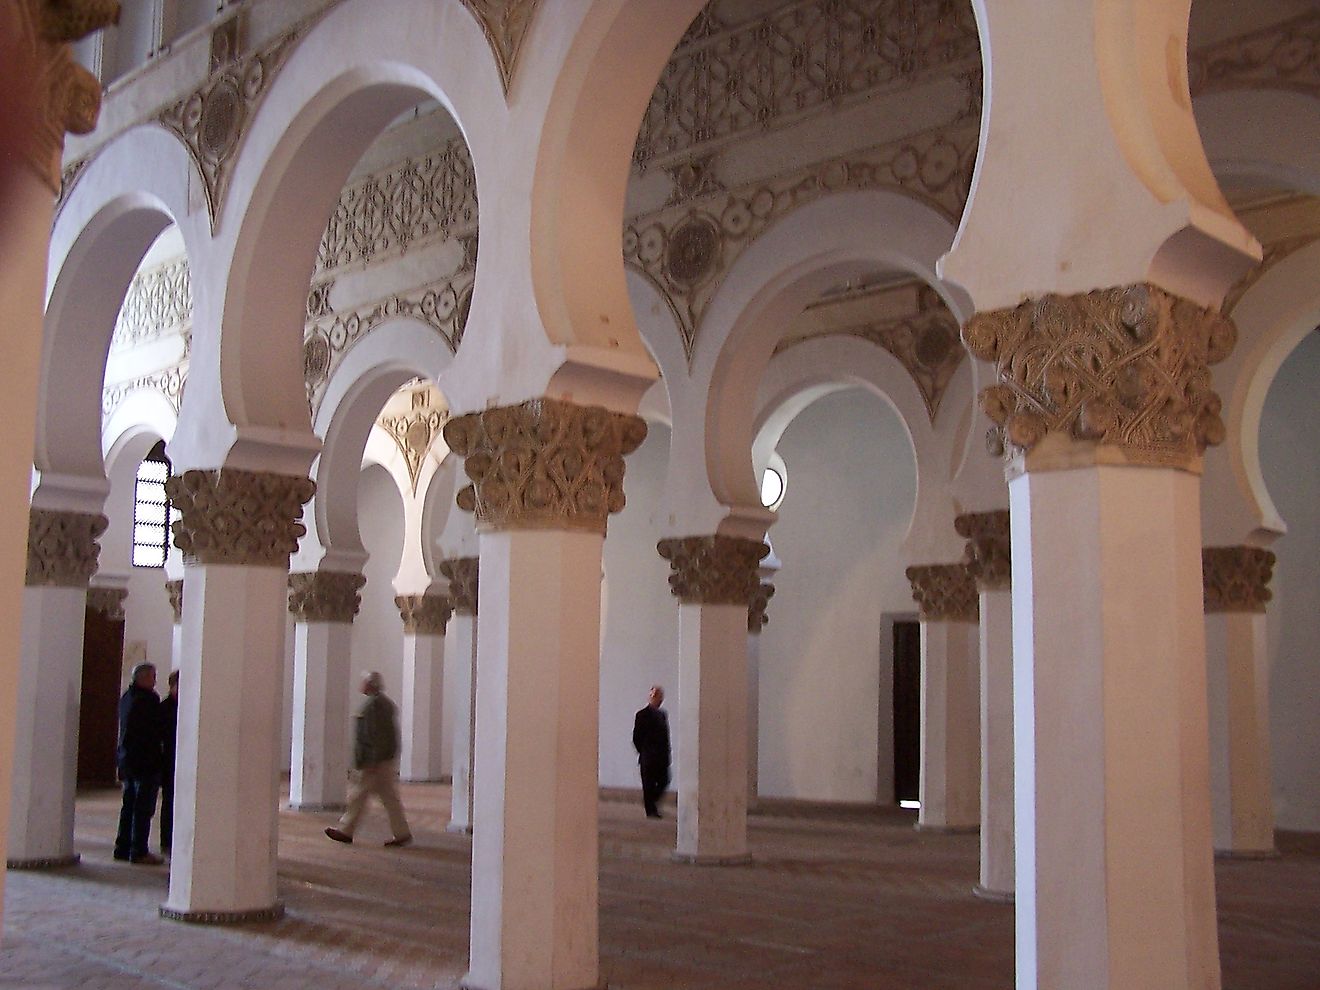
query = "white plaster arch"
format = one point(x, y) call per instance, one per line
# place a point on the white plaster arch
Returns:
point(1264, 135)
point(143, 411)
point(130, 438)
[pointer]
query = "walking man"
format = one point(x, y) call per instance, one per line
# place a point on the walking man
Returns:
point(651, 740)
point(375, 755)
point(138, 760)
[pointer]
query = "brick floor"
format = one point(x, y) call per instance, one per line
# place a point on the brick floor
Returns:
point(835, 899)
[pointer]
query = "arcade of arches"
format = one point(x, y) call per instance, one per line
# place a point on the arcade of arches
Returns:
point(1013, 300)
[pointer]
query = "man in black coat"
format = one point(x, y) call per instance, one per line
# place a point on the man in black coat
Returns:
point(651, 740)
point(139, 761)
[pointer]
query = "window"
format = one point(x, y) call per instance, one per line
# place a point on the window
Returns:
point(774, 482)
point(151, 510)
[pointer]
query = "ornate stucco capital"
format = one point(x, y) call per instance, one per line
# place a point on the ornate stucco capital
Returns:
point(1237, 579)
point(325, 596)
point(108, 601)
point(175, 590)
point(231, 516)
point(464, 576)
point(62, 547)
point(714, 570)
point(544, 464)
point(756, 609)
point(1125, 370)
point(424, 615)
point(989, 556)
point(945, 592)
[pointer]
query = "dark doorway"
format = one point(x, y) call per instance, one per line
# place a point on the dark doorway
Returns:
point(98, 715)
point(907, 710)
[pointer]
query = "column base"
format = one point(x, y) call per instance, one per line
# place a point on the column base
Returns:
point(946, 829)
point(465, 985)
point(43, 863)
point(711, 859)
point(309, 807)
point(994, 896)
point(251, 916)
point(458, 829)
point(1247, 854)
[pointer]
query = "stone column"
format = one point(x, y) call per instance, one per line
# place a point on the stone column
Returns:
point(1236, 591)
point(989, 559)
point(422, 702)
point(461, 658)
point(175, 591)
point(546, 475)
point(62, 556)
point(715, 579)
point(756, 621)
point(1103, 405)
point(236, 530)
point(949, 784)
point(323, 604)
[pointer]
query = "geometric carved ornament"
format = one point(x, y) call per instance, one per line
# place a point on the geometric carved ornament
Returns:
point(464, 575)
point(1236, 579)
point(945, 592)
point(325, 596)
point(62, 550)
point(715, 570)
point(988, 555)
point(232, 516)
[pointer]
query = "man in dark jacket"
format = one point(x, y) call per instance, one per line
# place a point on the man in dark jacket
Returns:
point(139, 763)
point(651, 740)
point(169, 728)
point(375, 756)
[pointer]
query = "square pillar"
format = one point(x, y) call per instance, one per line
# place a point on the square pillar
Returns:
point(461, 660)
point(424, 618)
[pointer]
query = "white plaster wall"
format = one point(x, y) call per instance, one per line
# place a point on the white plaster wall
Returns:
point(1290, 462)
point(377, 630)
point(824, 703)
point(148, 619)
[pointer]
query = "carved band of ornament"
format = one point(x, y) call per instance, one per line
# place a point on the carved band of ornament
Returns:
point(714, 570)
point(544, 464)
point(988, 556)
point(158, 301)
point(169, 382)
point(108, 601)
point(1236, 579)
point(464, 575)
point(685, 250)
point(1281, 56)
point(175, 591)
point(945, 592)
point(505, 24)
point(1126, 367)
point(756, 609)
point(726, 81)
point(231, 516)
point(424, 615)
point(62, 550)
point(325, 596)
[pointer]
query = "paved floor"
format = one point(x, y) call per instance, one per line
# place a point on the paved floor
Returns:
point(836, 899)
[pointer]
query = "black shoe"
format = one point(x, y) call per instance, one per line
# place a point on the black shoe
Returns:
point(654, 814)
point(146, 859)
point(339, 836)
point(122, 856)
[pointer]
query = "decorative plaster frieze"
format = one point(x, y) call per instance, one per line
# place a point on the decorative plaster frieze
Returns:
point(544, 464)
point(715, 570)
point(464, 581)
point(1237, 579)
point(686, 250)
point(756, 609)
point(424, 615)
point(726, 81)
point(945, 592)
point(416, 431)
point(1282, 56)
point(174, 589)
point(325, 596)
point(505, 24)
point(108, 601)
point(231, 516)
point(1126, 367)
point(158, 302)
point(989, 553)
point(169, 382)
point(62, 550)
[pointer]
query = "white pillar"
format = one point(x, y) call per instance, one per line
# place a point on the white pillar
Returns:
point(1236, 590)
point(175, 591)
point(422, 701)
point(756, 621)
point(461, 660)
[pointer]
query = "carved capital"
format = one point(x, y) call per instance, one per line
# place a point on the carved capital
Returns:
point(714, 570)
point(989, 556)
point(62, 547)
point(108, 601)
point(230, 516)
point(945, 592)
point(175, 590)
point(325, 596)
point(544, 464)
point(1237, 579)
point(424, 615)
point(756, 617)
point(464, 575)
point(1125, 368)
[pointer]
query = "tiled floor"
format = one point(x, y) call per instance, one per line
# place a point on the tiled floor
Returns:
point(836, 899)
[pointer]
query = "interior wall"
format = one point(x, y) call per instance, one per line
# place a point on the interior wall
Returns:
point(1290, 461)
point(377, 630)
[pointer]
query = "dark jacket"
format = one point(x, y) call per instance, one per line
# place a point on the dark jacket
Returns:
point(377, 738)
point(139, 752)
point(169, 728)
point(651, 736)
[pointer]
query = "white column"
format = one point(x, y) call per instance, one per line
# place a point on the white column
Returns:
point(422, 700)
point(175, 591)
point(322, 682)
point(461, 661)
point(997, 861)
point(1115, 881)
point(949, 789)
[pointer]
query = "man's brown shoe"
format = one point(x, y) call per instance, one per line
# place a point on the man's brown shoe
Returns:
point(398, 841)
point(339, 836)
point(146, 859)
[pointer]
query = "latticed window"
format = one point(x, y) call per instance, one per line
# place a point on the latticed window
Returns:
point(151, 510)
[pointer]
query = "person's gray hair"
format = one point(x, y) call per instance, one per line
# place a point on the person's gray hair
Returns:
point(373, 680)
point(140, 669)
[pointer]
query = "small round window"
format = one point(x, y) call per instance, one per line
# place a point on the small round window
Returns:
point(772, 487)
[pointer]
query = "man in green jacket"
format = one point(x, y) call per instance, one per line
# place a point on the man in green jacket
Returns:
point(375, 755)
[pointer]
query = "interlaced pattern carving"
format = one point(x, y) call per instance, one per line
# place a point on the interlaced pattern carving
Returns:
point(231, 516)
point(1237, 579)
point(464, 574)
point(62, 550)
point(325, 596)
point(159, 301)
point(989, 553)
point(715, 570)
point(945, 593)
point(1281, 56)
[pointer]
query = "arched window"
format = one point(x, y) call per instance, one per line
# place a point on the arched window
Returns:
point(151, 510)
